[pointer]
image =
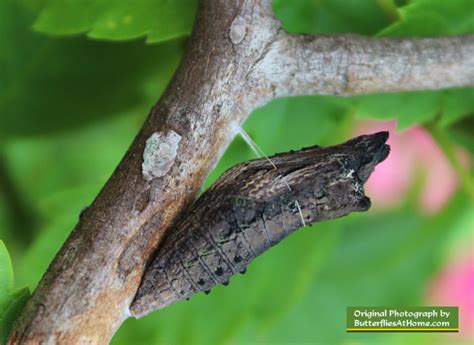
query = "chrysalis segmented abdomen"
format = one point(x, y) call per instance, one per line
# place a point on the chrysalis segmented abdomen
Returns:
point(216, 245)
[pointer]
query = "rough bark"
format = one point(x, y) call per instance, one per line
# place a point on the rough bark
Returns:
point(351, 64)
point(229, 68)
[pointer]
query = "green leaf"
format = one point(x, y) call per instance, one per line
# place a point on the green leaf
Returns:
point(6, 272)
point(4, 217)
point(408, 108)
point(456, 104)
point(412, 108)
point(86, 156)
point(62, 212)
point(11, 302)
point(433, 17)
point(418, 24)
point(331, 16)
point(39, 255)
point(295, 122)
point(51, 84)
point(462, 133)
point(10, 310)
point(158, 20)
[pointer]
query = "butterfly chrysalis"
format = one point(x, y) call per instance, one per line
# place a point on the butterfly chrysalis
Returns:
point(250, 209)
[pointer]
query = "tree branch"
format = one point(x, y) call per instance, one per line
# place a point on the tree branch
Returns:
point(352, 64)
point(227, 71)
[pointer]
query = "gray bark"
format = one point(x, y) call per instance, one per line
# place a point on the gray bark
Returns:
point(351, 64)
point(230, 67)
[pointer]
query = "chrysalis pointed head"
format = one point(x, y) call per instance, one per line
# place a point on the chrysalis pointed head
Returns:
point(331, 180)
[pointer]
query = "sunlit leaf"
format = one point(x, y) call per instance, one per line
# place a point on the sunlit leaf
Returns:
point(157, 20)
point(52, 84)
point(433, 17)
point(331, 16)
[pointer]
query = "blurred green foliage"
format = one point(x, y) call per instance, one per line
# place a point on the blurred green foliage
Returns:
point(118, 20)
point(70, 106)
point(11, 301)
point(433, 17)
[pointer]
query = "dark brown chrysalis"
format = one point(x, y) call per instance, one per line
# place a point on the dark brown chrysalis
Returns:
point(250, 209)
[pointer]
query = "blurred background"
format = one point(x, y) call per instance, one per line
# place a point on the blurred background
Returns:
point(77, 79)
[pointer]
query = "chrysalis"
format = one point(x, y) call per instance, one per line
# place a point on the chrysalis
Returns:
point(250, 209)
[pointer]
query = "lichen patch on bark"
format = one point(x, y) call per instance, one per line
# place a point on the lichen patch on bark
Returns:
point(159, 154)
